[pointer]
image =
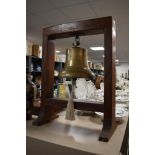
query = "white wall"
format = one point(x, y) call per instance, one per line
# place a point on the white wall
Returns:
point(122, 68)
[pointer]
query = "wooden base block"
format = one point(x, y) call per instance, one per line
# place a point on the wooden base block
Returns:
point(106, 134)
point(40, 121)
point(47, 114)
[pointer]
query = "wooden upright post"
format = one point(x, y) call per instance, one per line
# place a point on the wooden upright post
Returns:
point(47, 112)
point(109, 122)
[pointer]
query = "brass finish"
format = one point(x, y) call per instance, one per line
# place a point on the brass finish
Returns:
point(76, 65)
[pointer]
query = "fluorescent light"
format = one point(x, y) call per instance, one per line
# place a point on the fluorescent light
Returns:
point(116, 61)
point(97, 48)
point(58, 51)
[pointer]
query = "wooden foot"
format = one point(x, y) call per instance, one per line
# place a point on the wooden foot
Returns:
point(43, 120)
point(106, 134)
point(46, 115)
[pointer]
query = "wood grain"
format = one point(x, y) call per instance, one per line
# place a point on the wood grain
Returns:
point(49, 106)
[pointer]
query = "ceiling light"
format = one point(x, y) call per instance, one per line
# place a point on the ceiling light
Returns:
point(117, 62)
point(97, 48)
point(58, 51)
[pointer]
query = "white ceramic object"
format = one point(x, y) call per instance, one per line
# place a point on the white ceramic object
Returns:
point(81, 89)
point(99, 95)
point(120, 111)
point(80, 93)
point(87, 90)
point(102, 86)
point(90, 89)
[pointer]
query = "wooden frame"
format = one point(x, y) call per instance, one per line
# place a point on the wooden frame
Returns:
point(49, 105)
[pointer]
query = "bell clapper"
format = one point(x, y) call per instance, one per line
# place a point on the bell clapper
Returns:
point(70, 111)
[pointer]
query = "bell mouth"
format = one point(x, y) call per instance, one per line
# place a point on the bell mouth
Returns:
point(76, 47)
point(79, 73)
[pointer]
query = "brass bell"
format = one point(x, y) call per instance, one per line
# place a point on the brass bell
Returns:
point(76, 65)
